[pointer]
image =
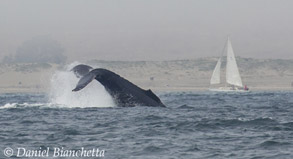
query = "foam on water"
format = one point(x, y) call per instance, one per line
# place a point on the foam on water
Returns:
point(21, 105)
point(93, 95)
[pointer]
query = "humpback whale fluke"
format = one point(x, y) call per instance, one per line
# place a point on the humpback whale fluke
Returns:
point(122, 91)
point(81, 70)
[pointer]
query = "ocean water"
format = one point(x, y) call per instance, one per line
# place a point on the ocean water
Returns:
point(194, 125)
point(62, 123)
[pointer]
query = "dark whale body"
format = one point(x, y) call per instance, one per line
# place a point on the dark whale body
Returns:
point(125, 93)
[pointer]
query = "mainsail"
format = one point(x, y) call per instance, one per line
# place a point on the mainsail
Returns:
point(216, 77)
point(232, 72)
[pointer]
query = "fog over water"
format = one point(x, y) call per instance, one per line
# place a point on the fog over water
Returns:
point(150, 29)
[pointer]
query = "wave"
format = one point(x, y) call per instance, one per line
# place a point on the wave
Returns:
point(266, 122)
point(273, 143)
point(18, 105)
point(44, 105)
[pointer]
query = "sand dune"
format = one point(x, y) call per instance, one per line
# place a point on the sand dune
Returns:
point(182, 75)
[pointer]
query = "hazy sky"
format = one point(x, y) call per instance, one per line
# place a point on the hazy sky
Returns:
point(151, 29)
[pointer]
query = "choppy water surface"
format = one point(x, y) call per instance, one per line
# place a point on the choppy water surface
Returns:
point(194, 125)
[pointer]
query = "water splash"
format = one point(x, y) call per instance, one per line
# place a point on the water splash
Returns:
point(93, 95)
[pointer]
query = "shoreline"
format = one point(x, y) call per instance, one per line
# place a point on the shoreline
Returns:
point(8, 90)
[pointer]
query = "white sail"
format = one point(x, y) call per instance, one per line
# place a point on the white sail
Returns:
point(232, 72)
point(216, 77)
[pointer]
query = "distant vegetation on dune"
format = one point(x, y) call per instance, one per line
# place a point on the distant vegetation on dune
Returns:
point(247, 66)
point(192, 68)
point(24, 67)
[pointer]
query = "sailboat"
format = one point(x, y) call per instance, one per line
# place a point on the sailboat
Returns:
point(233, 78)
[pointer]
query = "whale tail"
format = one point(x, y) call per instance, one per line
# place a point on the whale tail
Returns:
point(81, 70)
point(84, 81)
